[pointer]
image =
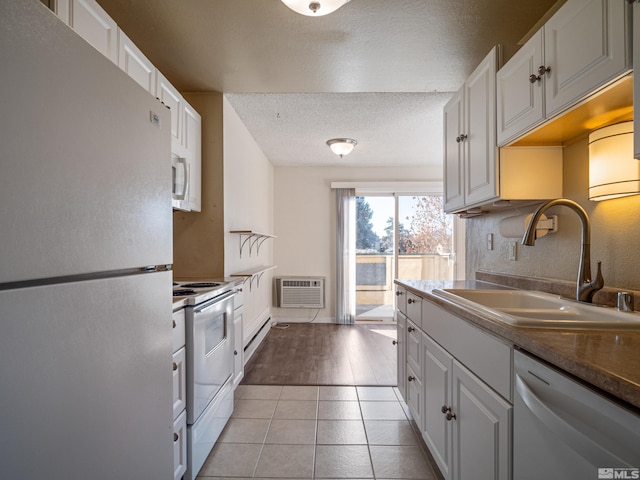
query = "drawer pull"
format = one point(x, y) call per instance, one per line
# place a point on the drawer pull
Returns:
point(395, 342)
point(411, 329)
point(174, 324)
point(176, 437)
point(235, 352)
point(175, 366)
point(411, 378)
point(411, 300)
point(398, 293)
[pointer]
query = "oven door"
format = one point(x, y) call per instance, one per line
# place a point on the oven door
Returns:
point(209, 351)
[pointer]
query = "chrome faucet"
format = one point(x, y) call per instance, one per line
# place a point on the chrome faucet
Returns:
point(586, 287)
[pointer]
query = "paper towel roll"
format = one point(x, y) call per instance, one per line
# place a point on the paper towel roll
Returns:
point(514, 227)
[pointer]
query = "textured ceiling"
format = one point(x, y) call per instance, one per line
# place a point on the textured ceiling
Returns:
point(378, 71)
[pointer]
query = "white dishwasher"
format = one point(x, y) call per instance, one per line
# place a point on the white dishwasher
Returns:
point(563, 430)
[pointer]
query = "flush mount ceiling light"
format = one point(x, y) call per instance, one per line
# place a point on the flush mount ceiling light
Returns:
point(314, 8)
point(613, 172)
point(341, 146)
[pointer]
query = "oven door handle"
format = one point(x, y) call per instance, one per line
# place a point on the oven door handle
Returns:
point(214, 302)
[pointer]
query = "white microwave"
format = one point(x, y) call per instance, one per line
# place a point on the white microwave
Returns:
point(179, 182)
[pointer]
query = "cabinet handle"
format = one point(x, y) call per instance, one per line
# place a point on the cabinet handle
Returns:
point(398, 293)
point(175, 366)
point(235, 352)
point(411, 378)
point(541, 71)
point(411, 300)
point(395, 342)
point(176, 437)
point(410, 329)
point(461, 138)
point(174, 324)
point(447, 411)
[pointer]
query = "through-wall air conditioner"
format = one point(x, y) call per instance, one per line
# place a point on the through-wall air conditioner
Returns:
point(300, 292)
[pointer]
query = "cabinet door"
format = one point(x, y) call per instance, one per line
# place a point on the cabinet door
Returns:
point(636, 78)
point(180, 446)
point(586, 47)
point(179, 382)
point(170, 97)
point(453, 161)
point(414, 395)
point(92, 23)
point(480, 125)
point(413, 348)
point(238, 351)
point(436, 380)
point(520, 103)
point(191, 141)
point(401, 344)
point(133, 62)
point(482, 429)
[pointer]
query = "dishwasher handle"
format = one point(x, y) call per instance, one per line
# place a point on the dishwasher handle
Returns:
point(572, 437)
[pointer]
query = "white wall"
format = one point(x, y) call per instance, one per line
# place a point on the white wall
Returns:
point(615, 235)
point(304, 206)
point(248, 205)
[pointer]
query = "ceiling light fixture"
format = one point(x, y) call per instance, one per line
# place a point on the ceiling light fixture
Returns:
point(341, 146)
point(613, 172)
point(314, 8)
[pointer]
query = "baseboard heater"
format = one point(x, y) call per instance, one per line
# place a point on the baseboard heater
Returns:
point(256, 340)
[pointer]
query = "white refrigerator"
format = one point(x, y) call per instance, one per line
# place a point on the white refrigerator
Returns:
point(85, 216)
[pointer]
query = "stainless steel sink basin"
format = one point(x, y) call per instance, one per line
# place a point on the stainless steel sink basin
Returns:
point(524, 308)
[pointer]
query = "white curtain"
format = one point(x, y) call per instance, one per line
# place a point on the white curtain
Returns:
point(346, 255)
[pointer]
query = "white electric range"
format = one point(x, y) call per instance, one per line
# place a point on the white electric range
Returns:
point(209, 364)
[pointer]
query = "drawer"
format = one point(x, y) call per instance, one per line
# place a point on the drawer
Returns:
point(179, 382)
point(488, 357)
point(414, 308)
point(238, 300)
point(401, 299)
point(178, 329)
point(180, 446)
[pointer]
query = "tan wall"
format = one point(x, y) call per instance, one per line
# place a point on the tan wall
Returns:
point(304, 207)
point(615, 235)
point(198, 237)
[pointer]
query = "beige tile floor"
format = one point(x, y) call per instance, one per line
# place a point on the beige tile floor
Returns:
point(317, 433)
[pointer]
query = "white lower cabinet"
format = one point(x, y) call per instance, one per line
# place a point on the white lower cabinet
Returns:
point(481, 429)
point(238, 350)
point(452, 392)
point(180, 446)
point(179, 395)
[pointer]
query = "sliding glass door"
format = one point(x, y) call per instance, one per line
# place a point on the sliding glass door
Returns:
point(399, 236)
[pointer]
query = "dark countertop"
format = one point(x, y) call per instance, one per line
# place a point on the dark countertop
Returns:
point(606, 359)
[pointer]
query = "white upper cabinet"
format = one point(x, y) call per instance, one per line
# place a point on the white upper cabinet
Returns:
point(133, 62)
point(583, 47)
point(470, 138)
point(587, 45)
point(520, 101)
point(92, 23)
point(171, 98)
point(453, 153)
point(192, 143)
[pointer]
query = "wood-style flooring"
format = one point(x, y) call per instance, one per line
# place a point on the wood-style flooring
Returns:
point(325, 354)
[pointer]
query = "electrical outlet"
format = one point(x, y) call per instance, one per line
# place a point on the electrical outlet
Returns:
point(513, 249)
point(490, 241)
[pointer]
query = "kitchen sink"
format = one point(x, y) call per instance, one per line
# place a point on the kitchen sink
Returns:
point(526, 308)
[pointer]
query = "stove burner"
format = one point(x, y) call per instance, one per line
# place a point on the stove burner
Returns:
point(183, 292)
point(200, 285)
